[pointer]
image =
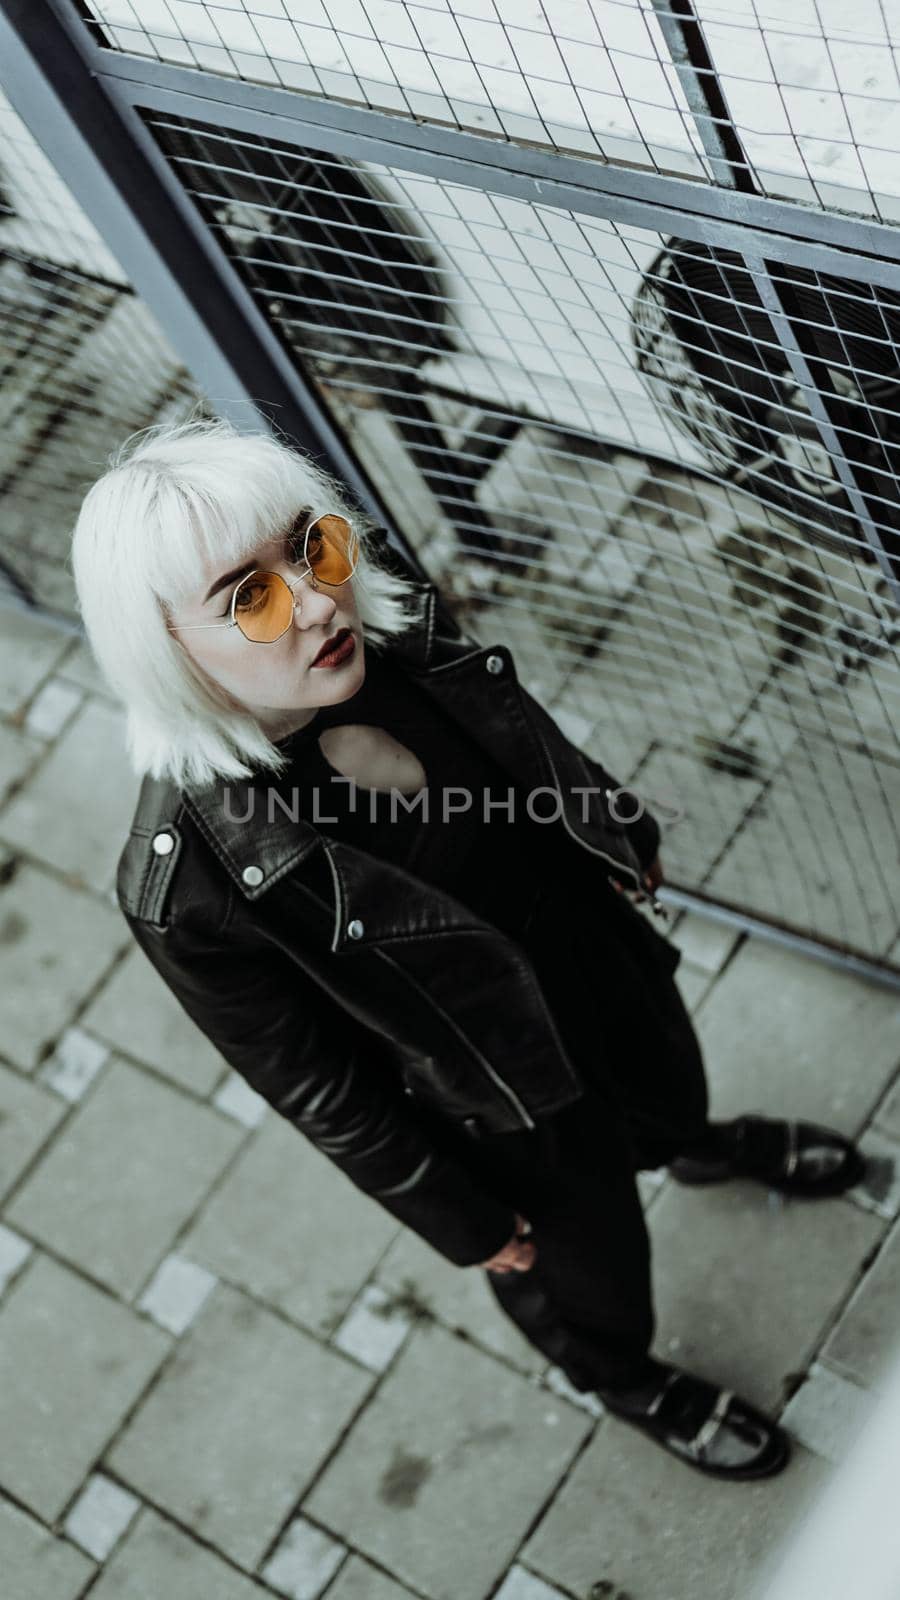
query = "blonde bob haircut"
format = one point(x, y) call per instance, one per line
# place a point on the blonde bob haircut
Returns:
point(172, 497)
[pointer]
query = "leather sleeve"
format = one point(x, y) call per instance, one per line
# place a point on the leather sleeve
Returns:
point(321, 1070)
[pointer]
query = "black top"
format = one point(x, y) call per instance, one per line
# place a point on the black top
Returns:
point(488, 861)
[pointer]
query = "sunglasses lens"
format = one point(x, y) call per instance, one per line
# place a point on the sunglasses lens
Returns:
point(263, 607)
point(332, 549)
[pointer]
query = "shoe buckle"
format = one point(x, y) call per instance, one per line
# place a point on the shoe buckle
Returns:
point(705, 1434)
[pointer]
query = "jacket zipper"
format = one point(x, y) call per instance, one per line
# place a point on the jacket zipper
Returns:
point(621, 866)
point(492, 1074)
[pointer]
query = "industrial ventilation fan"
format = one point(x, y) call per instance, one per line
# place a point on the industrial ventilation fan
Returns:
point(709, 354)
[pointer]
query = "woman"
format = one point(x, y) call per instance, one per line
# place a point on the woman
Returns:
point(396, 898)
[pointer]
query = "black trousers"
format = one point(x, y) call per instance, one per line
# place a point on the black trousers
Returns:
point(608, 977)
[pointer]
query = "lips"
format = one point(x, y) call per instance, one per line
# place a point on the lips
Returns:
point(332, 643)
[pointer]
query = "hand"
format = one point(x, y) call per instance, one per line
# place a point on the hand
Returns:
point(653, 876)
point(516, 1256)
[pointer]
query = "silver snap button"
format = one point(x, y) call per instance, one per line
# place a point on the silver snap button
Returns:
point(253, 876)
point(355, 929)
point(494, 663)
point(163, 844)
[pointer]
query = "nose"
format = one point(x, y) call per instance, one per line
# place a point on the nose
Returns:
point(312, 605)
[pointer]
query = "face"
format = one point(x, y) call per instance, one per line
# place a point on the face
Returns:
point(278, 683)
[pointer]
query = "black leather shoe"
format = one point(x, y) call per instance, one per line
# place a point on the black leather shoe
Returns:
point(800, 1158)
point(710, 1428)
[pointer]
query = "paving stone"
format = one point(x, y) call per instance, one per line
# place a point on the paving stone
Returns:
point(17, 752)
point(304, 1561)
point(14, 1252)
point(359, 1580)
point(431, 1286)
point(36, 1564)
point(138, 1014)
point(521, 1585)
point(826, 1413)
point(693, 985)
point(158, 1562)
point(864, 1341)
point(704, 942)
point(746, 1284)
point(288, 1226)
point(450, 1441)
point(29, 650)
point(176, 1293)
point(130, 1167)
point(692, 844)
point(585, 1399)
point(887, 1116)
point(82, 833)
point(238, 1424)
point(879, 1188)
point(374, 1328)
point(28, 1116)
point(786, 1035)
point(72, 1363)
point(51, 708)
point(820, 848)
point(56, 943)
point(100, 1515)
point(74, 1064)
point(238, 1100)
point(632, 1516)
point(649, 1183)
point(80, 667)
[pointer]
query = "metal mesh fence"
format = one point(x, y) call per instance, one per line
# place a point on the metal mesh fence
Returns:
point(593, 438)
point(810, 89)
point(82, 363)
point(545, 71)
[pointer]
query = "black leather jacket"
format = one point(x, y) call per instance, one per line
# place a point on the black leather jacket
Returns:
point(349, 993)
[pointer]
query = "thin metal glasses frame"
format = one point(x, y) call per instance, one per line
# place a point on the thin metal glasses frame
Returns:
point(231, 620)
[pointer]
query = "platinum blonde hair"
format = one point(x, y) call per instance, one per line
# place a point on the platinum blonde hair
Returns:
point(170, 497)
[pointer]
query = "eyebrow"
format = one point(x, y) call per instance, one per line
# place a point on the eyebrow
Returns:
point(226, 578)
point(249, 566)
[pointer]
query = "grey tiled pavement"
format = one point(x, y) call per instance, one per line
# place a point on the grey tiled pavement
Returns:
point(223, 1372)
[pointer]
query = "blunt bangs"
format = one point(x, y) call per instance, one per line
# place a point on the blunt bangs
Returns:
point(212, 503)
point(174, 502)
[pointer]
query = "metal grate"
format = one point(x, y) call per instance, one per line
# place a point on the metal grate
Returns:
point(808, 92)
point(563, 73)
point(596, 442)
point(82, 363)
point(813, 88)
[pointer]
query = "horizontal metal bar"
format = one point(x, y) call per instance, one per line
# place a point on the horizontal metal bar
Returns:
point(775, 933)
point(825, 241)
